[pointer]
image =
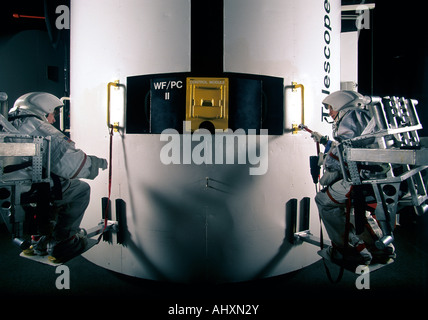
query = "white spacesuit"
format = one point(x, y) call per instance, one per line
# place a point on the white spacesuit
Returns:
point(32, 114)
point(350, 120)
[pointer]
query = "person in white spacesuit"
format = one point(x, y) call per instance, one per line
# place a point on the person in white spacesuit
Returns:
point(350, 120)
point(33, 114)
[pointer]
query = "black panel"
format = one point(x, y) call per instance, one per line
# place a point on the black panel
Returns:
point(158, 102)
point(138, 106)
point(272, 100)
point(167, 103)
point(245, 103)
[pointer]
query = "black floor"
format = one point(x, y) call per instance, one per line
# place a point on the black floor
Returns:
point(406, 278)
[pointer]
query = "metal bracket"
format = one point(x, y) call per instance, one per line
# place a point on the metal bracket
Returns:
point(111, 226)
point(307, 236)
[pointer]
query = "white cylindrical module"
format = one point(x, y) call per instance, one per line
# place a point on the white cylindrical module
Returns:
point(209, 221)
point(296, 40)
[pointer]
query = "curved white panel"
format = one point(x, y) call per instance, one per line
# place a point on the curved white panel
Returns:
point(183, 226)
point(296, 40)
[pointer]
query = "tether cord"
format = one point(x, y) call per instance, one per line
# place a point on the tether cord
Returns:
point(110, 173)
point(346, 235)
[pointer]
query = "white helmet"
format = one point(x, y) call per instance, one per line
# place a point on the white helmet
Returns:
point(39, 103)
point(345, 99)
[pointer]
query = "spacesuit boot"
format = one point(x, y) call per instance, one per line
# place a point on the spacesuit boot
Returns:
point(370, 235)
point(71, 247)
point(354, 254)
point(383, 255)
point(39, 246)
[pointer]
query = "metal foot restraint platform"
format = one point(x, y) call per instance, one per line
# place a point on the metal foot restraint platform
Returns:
point(89, 242)
point(326, 249)
point(387, 169)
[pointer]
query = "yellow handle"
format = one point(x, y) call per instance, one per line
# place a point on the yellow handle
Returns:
point(115, 84)
point(302, 90)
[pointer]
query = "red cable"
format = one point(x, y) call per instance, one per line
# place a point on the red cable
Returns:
point(17, 16)
point(110, 173)
point(311, 131)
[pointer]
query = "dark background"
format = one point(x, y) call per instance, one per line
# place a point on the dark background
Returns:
point(393, 53)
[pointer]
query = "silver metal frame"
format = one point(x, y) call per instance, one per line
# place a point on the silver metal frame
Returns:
point(395, 145)
point(16, 148)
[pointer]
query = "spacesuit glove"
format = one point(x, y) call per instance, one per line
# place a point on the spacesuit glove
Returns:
point(96, 164)
point(102, 163)
point(318, 137)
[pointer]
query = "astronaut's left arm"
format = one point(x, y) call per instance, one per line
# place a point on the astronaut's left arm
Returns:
point(66, 160)
point(74, 164)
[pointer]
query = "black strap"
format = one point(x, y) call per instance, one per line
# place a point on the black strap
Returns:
point(56, 188)
point(16, 167)
point(23, 116)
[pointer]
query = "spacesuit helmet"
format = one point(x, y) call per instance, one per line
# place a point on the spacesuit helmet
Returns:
point(344, 99)
point(38, 103)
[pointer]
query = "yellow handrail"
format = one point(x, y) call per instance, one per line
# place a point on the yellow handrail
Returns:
point(115, 126)
point(294, 86)
point(302, 90)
